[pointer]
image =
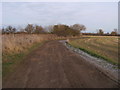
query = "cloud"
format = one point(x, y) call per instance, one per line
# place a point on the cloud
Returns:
point(93, 15)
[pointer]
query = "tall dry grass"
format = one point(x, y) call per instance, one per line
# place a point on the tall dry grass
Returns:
point(16, 46)
point(15, 43)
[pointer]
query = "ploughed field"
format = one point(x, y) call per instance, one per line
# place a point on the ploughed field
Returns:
point(105, 47)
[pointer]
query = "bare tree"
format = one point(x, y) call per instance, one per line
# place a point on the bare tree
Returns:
point(10, 29)
point(100, 32)
point(114, 32)
point(39, 29)
point(79, 27)
point(30, 28)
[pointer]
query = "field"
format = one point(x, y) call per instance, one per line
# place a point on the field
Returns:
point(105, 47)
point(16, 43)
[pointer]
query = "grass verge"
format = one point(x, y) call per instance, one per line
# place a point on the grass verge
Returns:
point(13, 60)
point(96, 55)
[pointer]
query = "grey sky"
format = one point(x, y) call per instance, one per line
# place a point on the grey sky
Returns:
point(93, 15)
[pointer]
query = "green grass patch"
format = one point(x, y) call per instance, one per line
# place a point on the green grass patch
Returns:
point(11, 61)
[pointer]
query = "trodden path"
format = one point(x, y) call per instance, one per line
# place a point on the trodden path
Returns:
point(54, 66)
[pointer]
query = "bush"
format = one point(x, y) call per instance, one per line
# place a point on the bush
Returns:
point(64, 30)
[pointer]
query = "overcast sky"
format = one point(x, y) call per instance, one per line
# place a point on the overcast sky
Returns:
point(93, 15)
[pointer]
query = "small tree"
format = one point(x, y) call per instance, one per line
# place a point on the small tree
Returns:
point(9, 29)
point(29, 28)
point(60, 30)
point(64, 30)
point(114, 32)
point(79, 27)
point(100, 32)
point(39, 29)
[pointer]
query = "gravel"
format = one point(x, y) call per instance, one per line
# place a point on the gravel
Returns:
point(105, 67)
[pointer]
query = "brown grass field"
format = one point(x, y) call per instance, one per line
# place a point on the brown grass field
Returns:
point(105, 47)
point(20, 42)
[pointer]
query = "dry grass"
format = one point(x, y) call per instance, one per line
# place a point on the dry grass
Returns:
point(16, 47)
point(16, 43)
point(19, 42)
point(101, 46)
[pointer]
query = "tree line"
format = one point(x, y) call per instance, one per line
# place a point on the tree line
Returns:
point(101, 32)
point(29, 29)
point(60, 29)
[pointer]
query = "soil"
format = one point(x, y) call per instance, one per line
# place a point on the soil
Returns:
point(52, 65)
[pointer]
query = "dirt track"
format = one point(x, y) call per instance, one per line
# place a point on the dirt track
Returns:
point(54, 66)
